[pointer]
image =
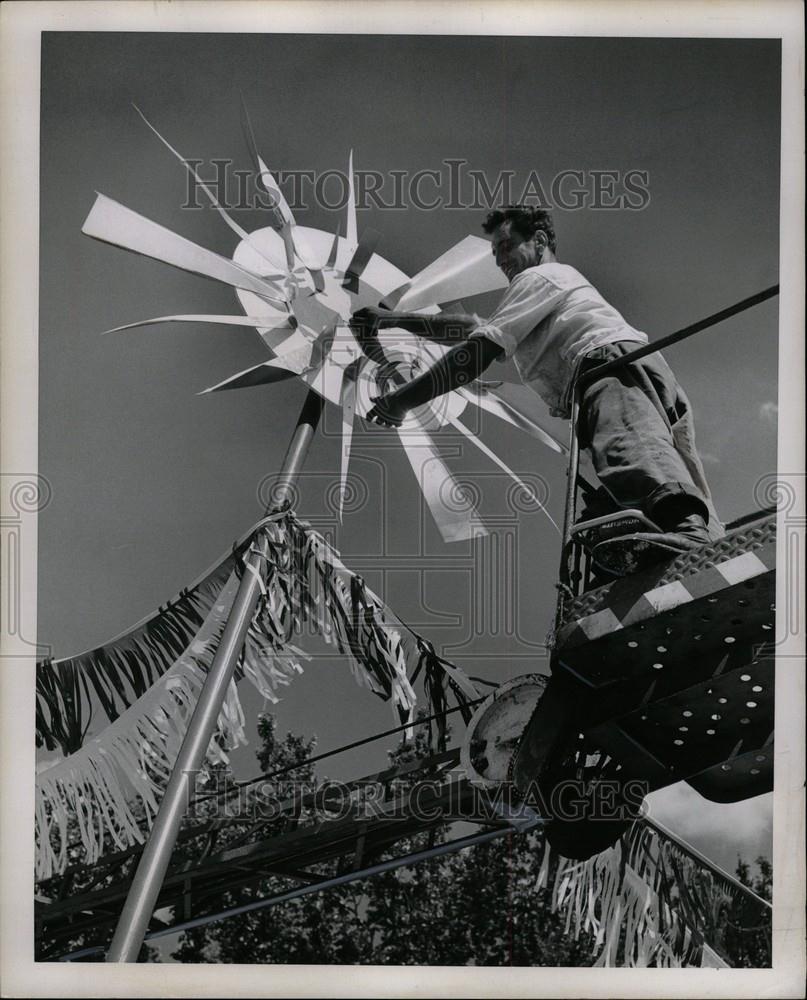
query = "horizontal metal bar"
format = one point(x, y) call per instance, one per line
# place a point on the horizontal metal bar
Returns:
point(688, 331)
point(109, 861)
point(377, 869)
point(694, 853)
point(311, 844)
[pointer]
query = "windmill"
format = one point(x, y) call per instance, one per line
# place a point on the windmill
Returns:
point(298, 287)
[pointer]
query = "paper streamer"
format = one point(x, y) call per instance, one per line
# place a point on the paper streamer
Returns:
point(303, 584)
point(648, 900)
point(131, 758)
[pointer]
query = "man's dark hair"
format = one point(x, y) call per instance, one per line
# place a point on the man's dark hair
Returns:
point(525, 219)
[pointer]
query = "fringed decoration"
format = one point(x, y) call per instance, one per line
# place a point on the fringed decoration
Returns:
point(112, 677)
point(112, 785)
point(439, 676)
point(648, 901)
point(345, 612)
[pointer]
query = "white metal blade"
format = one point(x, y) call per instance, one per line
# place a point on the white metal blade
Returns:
point(268, 326)
point(351, 231)
point(484, 398)
point(114, 223)
point(263, 374)
point(238, 230)
point(360, 259)
point(458, 425)
point(348, 404)
point(437, 483)
point(525, 406)
point(466, 269)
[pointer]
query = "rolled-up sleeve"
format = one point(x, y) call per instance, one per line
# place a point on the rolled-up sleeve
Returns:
point(529, 299)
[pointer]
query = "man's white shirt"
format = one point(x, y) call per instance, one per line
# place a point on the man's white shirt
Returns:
point(548, 320)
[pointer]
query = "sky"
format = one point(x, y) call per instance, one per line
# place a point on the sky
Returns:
point(151, 482)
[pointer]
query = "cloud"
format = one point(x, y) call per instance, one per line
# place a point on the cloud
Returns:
point(721, 831)
point(708, 458)
point(768, 412)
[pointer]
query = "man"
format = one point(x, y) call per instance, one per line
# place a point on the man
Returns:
point(635, 423)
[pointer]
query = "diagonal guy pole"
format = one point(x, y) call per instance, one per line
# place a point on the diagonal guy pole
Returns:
point(148, 879)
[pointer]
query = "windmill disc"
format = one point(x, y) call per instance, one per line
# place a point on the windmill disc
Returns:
point(494, 732)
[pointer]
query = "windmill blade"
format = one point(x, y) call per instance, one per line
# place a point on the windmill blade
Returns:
point(272, 188)
point(321, 348)
point(330, 362)
point(331, 261)
point(112, 222)
point(467, 268)
point(458, 425)
point(347, 403)
point(249, 134)
point(293, 360)
point(360, 259)
point(482, 396)
point(238, 230)
point(455, 306)
point(435, 481)
point(281, 207)
point(308, 258)
point(267, 326)
point(295, 243)
point(281, 210)
point(263, 374)
point(288, 243)
point(524, 405)
point(351, 224)
point(296, 352)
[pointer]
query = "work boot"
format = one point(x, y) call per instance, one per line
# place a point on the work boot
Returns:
point(627, 554)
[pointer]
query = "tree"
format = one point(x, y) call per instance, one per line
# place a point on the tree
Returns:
point(317, 928)
point(748, 931)
point(475, 907)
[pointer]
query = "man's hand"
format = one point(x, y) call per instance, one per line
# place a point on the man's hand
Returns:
point(365, 322)
point(387, 411)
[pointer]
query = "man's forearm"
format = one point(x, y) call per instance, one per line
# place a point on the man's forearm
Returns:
point(460, 366)
point(447, 328)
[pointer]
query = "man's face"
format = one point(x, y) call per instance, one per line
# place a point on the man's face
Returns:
point(513, 252)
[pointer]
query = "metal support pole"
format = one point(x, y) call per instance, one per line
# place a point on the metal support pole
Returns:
point(570, 505)
point(377, 869)
point(150, 873)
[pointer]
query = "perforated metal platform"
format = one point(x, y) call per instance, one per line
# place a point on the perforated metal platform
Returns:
point(699, 572)
point(675, 666)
